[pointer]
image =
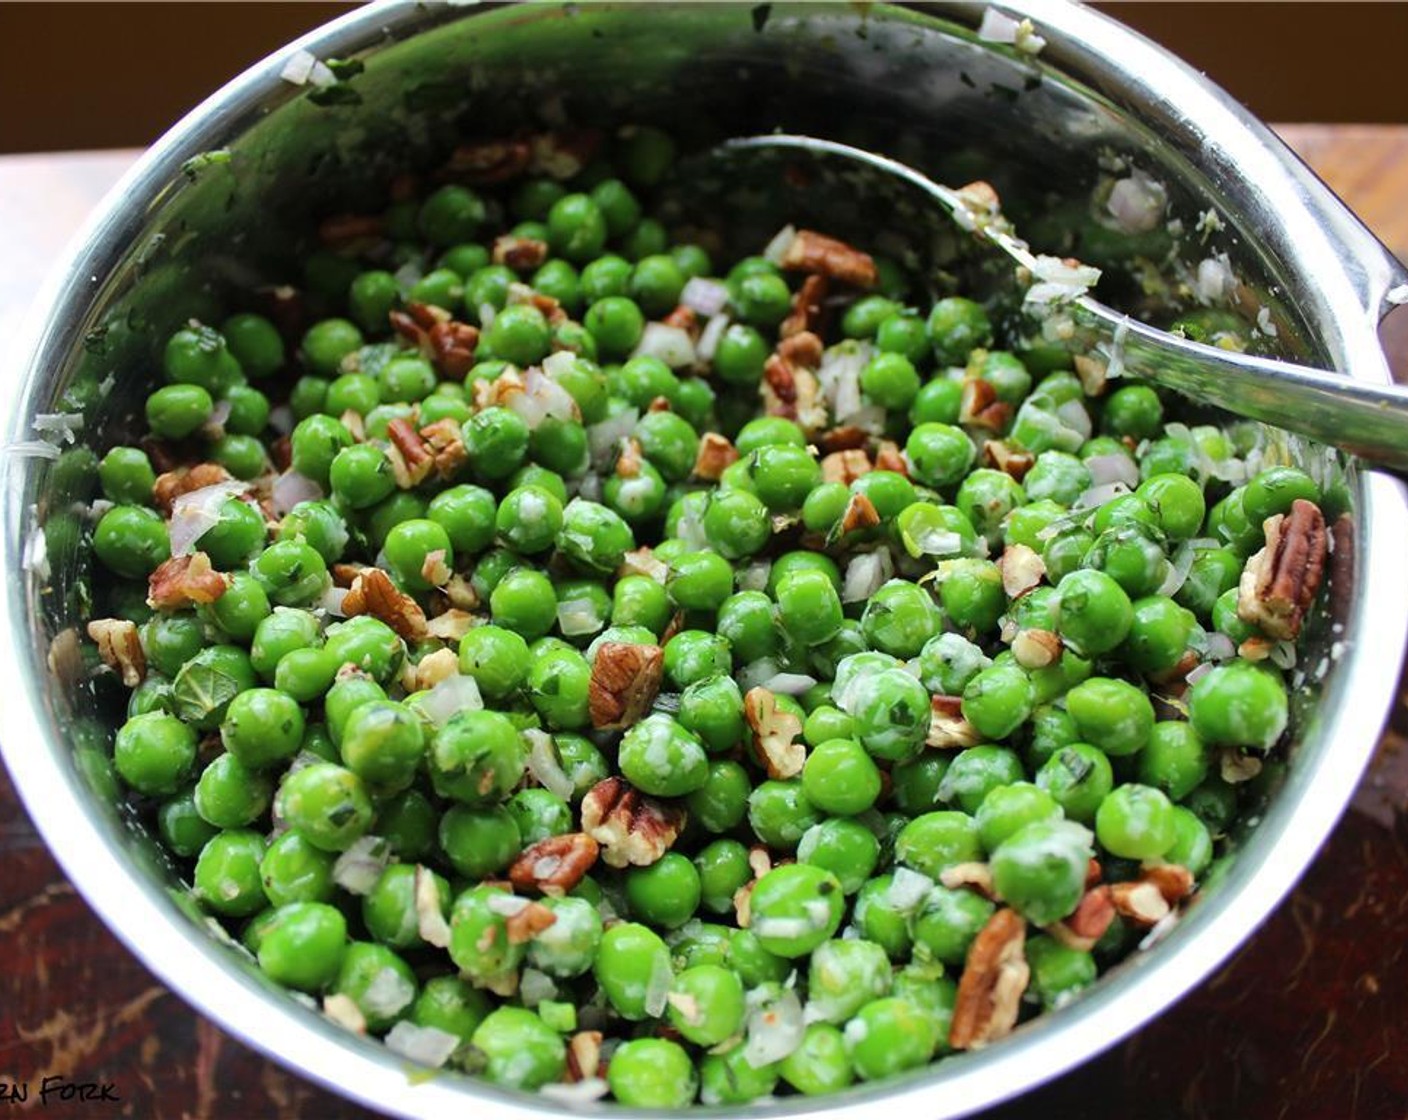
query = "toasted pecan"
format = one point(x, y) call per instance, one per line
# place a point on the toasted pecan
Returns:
point(776, 734)
point(948, 730)
point(490, 161)
point(889, 457)
point(632, 829)
point(801, 350)
point(1036, 649)
point(171, 484)
point(1280, 582)
point(1008, 459)
point(120, 648)
point(980, 408)
point(583, 1055)
point(416, 456)
point(452, 347)
point(373, 593)
point(994, 977)
point(185, 581)
point(526, 923)
point(845, 466)
point(808, 308)
point(810, 251)
point(1140, 902)
point(1022, 569)
point(860, 513)
point(625, 678)
point(555, 864)
point(715, 454)
point(519, 253)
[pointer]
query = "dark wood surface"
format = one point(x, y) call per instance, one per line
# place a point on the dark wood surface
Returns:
point(1307, 1021)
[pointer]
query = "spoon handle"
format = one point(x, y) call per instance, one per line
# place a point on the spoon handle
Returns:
point(1365, 419)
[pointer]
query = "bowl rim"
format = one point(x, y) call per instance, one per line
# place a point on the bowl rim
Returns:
point(141, 914)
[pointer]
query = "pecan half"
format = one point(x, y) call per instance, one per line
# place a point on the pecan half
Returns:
point(1036, 649)
point(1141, 902)
point(715, 454)
point(554, 865)
point(625, 678)
point(526, 923)
point(490, 161)
point(519, 253)
point(452, 347)
point(1022, 569)
point(980, 408)
point(583, 1055)
point(999, 454)
point(845, 466)
point(120, 648)
point(810, 251)
point(860, 514)
point(808, 310)
point(184, 480)
point(373, 593)
point(185, 581)
point(632, 829)
point(775, 734)
point(417, 458)
point(1280, 582)
point(948, 730)
point(994, 978)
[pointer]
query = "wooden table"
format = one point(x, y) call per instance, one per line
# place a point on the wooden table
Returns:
point(1306, 1021)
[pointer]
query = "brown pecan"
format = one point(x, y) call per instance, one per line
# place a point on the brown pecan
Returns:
point(1088, 923)
point(446, 442)
point(186, 480)
point(416, 456)
point(1255, 648)
point(845, 466)
point(632, 829)
point(625, 678)
point(975, 875)
point(685, 318)
point(460, 593)
point(523, 294)
point(808, 310)
point(554, 865)
point(435, 667)
point(281, 453)
point(1173, 880)
point(715, 453)
point(629, 461)
point(1092, 374)
point(775, 734)
point(1280, 582)
point(779, 387)
point(120, 648)
point(434, 570)
point(519, 253)
point(1140, 902)
point(499, 392)
point(889, 457)
point(801, 350)
point(452, 347)
point(673, 627)
point(583, 1055)
point(994, 978)
point(344, 575)
point(847, 437)
point(1036, 649)
point(185, 581)
point(560, 155)
point(659, 404)
point(810, 251)
point(1022, 569)
point(860, 514)
point(490, 161)
point(948, 730)
point(1008, 459)
point(343, 231)
point(526, 923)
point(450, 625)
point(980, 408)
point(373, 593)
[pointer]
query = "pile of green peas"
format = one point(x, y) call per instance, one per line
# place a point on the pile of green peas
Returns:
point(274, 744)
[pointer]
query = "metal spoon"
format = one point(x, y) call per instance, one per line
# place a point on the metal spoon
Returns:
point(1367, 420)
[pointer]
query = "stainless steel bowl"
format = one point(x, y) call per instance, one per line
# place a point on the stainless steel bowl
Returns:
point(222, 201)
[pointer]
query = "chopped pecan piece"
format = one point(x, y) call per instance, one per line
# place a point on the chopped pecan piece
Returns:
point(625, 678)
point(1280, 582)
point(460, 592)
point(526, 923)
point(632, 829)
point(686, 319)
point(1092, 374)
point(860, 514)
point(430, 920)
point(715, 453)
point(583, 1055)
point(185, 581)
point(436, 667)
point(490, 161)
point(1010, 460)
point(342, 231)
point(994, 978)
point(1088, 923)
point(1255, 648)
point(810, 251)
point(845, 466)
point(628, 462)
point(434, 570)
point(499, 392)
point(450, 625)
point(185, 480)
point(980, 408)
point(779, 387)
point(344, 575)
point(281, 453)
point(446, 443)
point(343, 1010)
point(416, 455)
point(808, 310)
point(554, 865)
point(1141, 902)
point(523, 294)
point(775, 734)
point(373, 593)
point(1036, 649)
point(1173, 880)
point(560, 155)
point(889, 457)
point(801, 350)
point(452, 347)
point(1022, 569)
point(519, 253)
point(120, 648)
point(847, 437)
point(743, 904)
point(975, 875)
point(948, 730)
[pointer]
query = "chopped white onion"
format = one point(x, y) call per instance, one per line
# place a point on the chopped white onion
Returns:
point(576, 617)
point(689, 527)
point(388, 994)
point(1137, 203)
point(1074, 416)
point(281, 419)
point(506, 905)
point(781, 241)
point(866, 574)
point(574, 1094)
point(429, 1046)
point(708, 297)
point(487, 311)
point(194, 513)
point(908, 890)
point(1098, 496)
point(672, 345)
point(756, 672)
point(1198, 672)
point(64, 425)
point(545, 766)
point(290, 488)
point(605, 437)
point(782, 927)
point(333, 601)
point(1283, 655)
point(360, 866)
point(997, 27)
point(775, 1029)
point(1058, 282)
point(868, 417)
point(1177, 573)
point(36, 554)
point(1220, 648)
point(1264, 323)
point(754, 576)
point(449, 697)
point(789, 684)
point(535, 986)
point(657, 988)
point(430, 918)
point(32, 449)
point(709, 338)
point(555, 401)
point(1214, 281)
point(938, 542)
point(839, 377)
point(1115, 467)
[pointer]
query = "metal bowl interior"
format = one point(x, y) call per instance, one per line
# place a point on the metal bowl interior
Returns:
point(224, 203)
